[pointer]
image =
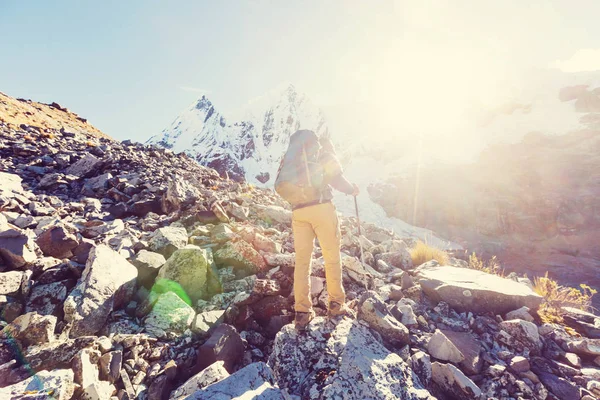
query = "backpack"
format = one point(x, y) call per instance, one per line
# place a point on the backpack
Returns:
point(300, 178)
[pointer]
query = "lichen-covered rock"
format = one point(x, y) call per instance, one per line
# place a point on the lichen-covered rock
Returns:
point(399, 259)
point(343, 361)
point(280, 260)
point(213, 373)
point(170, 313)
point(48, 299)
point(31, 328)
point(521, 334)
point(56, 354)
point(375, 313)
point(206, 321)
point(471, 290)
point(189, 267)
point(252, 382)
point(268, 245)
point(241, 255)
point(45, 385)
point(107, 282)
point(168, 239)
point(590, 347)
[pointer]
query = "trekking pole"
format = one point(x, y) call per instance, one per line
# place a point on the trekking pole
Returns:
point(362, 257)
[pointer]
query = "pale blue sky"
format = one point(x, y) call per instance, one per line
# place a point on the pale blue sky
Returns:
point(131, 66)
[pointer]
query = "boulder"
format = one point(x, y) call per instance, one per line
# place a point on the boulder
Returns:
point(95, 228)
point(17, 248)
point(521, 334)
point(148, 264)
point(213, 373)
point(274, 214)
point(31, 329)
point(343, 361)
point(521, 313)
point(56, 354)
point(219, 212)
point(48, 299)
point(280, 260)
point(263, 243)
point(85, 166)
point(519, 364)
point(188, 266)
point(107, 282)
point(399, 259)
point(51, 385)
point(420, 363)
point(452, 381)
point(168, 239)
point(10, 282)
point(360, 273)
point(206, 321)
point(472, 290)
point(560, 387)
point(110, 366)
point(57, 242)
point(584, 322)
point(584, 347)
point(225, 344)
point(169, 313)
point(10, 182)
point(375, 313)
point(442, 348)
point(254, 381)
point(241, 255)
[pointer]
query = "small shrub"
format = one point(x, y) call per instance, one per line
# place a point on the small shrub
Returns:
point(28, 138)
point(422, 252)
point(48, 135)
point(557, 296)
point(89, 143)
point(490, 266)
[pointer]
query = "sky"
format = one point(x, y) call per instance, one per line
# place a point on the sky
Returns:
point(131, 67)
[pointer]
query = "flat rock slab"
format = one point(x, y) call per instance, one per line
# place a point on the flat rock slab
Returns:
point(471, 290)
point(252, 382)
point(55, 385)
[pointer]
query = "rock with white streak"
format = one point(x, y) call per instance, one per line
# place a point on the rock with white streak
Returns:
point(107, 282)
point(85, 166)
point(442, 348)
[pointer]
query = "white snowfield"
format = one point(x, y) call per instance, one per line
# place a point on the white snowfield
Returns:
point(253, 139)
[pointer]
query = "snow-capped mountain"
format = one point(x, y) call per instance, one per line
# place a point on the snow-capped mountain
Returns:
point(247, 143)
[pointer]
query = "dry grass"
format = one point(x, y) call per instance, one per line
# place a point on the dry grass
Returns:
point(48, 135)
point(89, 143)
point(557, 296)
point(490, 266)
point(422, 252)
point(28, 137)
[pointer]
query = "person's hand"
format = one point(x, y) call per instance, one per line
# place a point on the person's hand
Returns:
point(356, 190)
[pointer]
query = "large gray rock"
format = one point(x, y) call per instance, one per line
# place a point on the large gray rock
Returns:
point(17, 248)
point(274, 214)
point(252, 382)
point(85, 166)
point(452, 381)
point(340, 362)
point(107, 282)
point(45, 385)
point(588, 347)
point(442, 348)
point(213, 373)
point(48, 299)
point(57, 242)
point(471, 290)
point(56, 354)
point(375, 313)
point(521, 334)
point(225, 344)
point(189, 267)
point(168, 239)
point(148, 264)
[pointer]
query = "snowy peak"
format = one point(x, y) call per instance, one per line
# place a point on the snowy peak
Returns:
point(250, 147)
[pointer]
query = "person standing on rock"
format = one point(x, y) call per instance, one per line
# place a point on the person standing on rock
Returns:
point(308, 171)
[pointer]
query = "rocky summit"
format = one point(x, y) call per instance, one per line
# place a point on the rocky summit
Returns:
point(130, 272)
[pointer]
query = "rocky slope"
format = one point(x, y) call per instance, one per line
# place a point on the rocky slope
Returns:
point(130, 272)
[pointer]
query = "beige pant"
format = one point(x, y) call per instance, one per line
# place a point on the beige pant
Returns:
point(319, 221)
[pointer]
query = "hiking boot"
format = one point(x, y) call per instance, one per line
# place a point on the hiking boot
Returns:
point(337, 309)
point(303, 319)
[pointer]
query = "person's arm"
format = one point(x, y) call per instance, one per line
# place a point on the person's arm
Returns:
point(341, 183)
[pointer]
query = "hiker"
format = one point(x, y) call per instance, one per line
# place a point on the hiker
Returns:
point(306, 174)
